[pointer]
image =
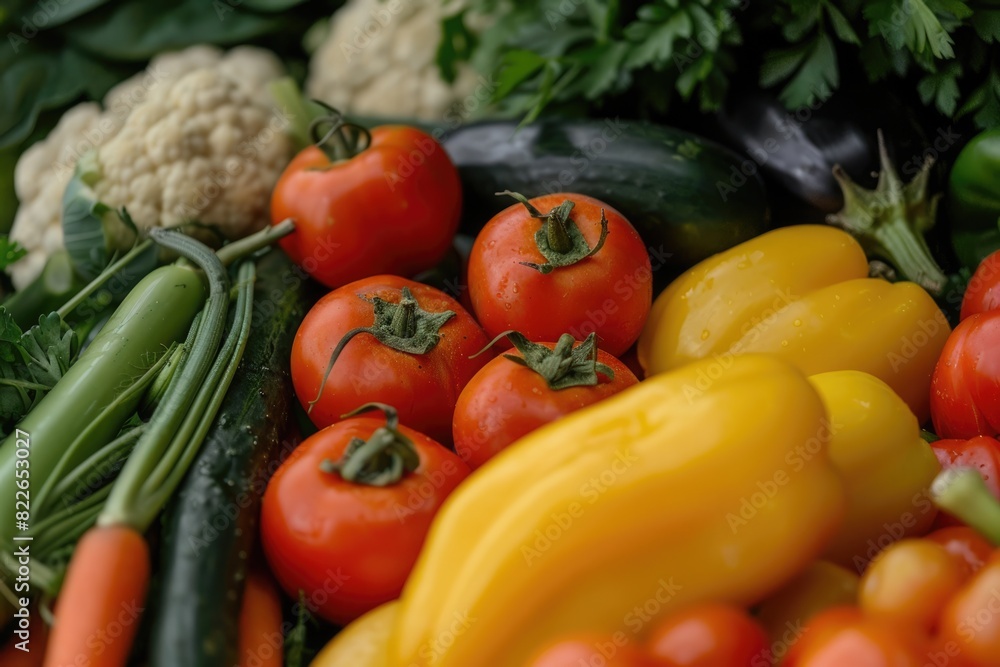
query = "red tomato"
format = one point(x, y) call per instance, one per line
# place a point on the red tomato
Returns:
point(971, 619)
point(595, 651)
point(843, 636)
point(507, 400)
point(964, 543)
point(907, 584)
point(348, 545)
point(982, 453)
point(982, 294)
point(423, 387)
point(965, 386)
point(608, 293)
point(392, 208)
point(710, 635)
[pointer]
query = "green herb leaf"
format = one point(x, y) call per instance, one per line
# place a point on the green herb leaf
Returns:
point(10, 252)
point(941, 89)
point(816, 78)
point(515, 68)
point(987, 24)
point(841, 26)
point(656, 41)
point(457, 44)
point(31, 363)
point(10, 337)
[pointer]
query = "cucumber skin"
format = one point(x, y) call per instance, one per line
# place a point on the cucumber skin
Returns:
point(686, 195)
point(211, 523)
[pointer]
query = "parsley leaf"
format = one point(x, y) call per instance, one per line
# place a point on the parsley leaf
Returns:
point(10, 252)
point(31, 363)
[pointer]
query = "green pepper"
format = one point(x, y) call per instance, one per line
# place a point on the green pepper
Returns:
point(974, 199)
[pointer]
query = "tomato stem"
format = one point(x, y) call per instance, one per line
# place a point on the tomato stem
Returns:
point(384, 459)
point(562, 367)
point(343, 140)
point(403, 326)
point(962, 493)
point(559, 239)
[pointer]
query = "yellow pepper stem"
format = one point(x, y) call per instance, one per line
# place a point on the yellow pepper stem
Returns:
point(962, 493)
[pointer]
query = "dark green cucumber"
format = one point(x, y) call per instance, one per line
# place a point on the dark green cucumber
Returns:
point(211, 524)
point(688, 197)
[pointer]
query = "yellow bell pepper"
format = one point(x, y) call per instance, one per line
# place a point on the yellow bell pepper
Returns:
point(801, 293)
point(606, 519)
point(363, 642)
point(887, 467)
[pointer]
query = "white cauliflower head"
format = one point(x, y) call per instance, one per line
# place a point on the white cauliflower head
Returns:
point(378, 59)
point(193, 137)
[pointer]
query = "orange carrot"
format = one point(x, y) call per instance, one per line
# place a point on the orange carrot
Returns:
point(12, 656)
point(97, 612)
point(261, 639)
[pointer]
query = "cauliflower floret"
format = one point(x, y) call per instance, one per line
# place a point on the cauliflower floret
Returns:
point(202, 149)
point(193, 136)
point(378, 59)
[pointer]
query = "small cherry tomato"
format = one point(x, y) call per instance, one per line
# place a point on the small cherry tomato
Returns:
point(710, 635)
point(909, 582)
point(982, 294)
point(395, 341)
point(971, 619)
point(596, 651)
point(964, 543)
point(844, 636)
point(538, 383)
point(561, 263)
point(392, 207)
point(820, 586)
point(344, 517)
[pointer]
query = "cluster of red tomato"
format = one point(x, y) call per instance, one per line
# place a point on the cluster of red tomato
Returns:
point(555, 277)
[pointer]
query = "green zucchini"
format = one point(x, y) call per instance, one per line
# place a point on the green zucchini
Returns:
point(210, 524)
point(687, 196)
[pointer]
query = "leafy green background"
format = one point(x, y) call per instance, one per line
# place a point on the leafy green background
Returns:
point(660, 56)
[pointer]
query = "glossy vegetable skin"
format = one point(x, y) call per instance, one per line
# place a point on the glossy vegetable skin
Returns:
point(709, 635)
point(684, 194)
point(211, 523)
point(617, 464)
point(392, 208)
point(506, 400)
point(801, 293)
point(420, 368)
point(982, 294)
point(964, 398)
point(350, 542)
point(517, 281)
point(973, 201)
point(796, 150)
point(981, 453)
point(886, 465)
